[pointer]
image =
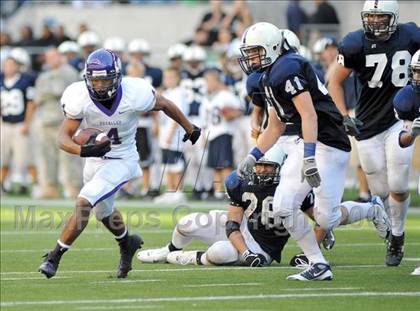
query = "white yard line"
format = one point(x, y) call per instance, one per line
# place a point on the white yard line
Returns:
point(55, 232)
point(206, 298)
point(120, 307)
point(33, 278)
point(108, 249)
point(224, 284)
point(126, 281)
point(412, 259)
point(196, 269)
point(320, 288)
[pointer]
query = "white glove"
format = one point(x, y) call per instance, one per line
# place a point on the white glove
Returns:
point(415, 127)
point(310, 172)
point(246, 166)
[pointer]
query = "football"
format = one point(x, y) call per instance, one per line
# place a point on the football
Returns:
point(82, 135)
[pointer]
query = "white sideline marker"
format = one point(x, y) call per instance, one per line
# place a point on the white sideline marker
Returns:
point(206, 298)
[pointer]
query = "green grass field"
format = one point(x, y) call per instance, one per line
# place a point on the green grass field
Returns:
point(86, 278)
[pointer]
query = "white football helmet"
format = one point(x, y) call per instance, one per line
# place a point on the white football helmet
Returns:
point(261, 46)
point(88, 38)
point(414, 71)
point(273, 157)
point(380, 30)
point(194, 53)
point(69, 47)
point(291, 39)
point(115, 44)
point(139, 46)
point(21, 57)
point(176, 50)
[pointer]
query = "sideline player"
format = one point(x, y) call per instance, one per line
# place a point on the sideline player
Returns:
point(379, 55)
point(295, 94)
point(245, 235)
point(108, 102)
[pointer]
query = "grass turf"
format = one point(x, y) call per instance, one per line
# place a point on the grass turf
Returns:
point(86, 278)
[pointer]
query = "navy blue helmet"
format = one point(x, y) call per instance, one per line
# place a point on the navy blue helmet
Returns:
point(105, 66)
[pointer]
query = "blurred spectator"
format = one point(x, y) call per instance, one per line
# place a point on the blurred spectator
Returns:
point(239, 19)
point(48, 117)
point(175, 53)
point(60, 35)
point(71, 51)
point(5, 39)
point(117, 45)
point(88, 42)
point(223, 40)
point(201, 38)
point(26, 36)
point(212, 21)
point(47, 37)
point(219, 108)
point(170, 141)
point(139, 50)
point(296, 16)
point(16, 112)
point(82, 28)
point(324, 14)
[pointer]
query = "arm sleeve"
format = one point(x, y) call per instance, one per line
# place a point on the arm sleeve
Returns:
point(349, 50)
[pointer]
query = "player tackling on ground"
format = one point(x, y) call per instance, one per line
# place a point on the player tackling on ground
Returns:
point(110, 103)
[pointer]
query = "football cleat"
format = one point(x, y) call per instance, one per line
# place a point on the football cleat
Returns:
point(416, 271)
point(380, 218)
point(49, 266)
point(128, 248)
point(316, 272)
point(153, 255)
point(329, 240)
point(299, 261)
point(183, 257)
point(395, 250)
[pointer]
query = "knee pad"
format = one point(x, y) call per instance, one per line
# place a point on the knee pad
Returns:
point(328, 219)
point(398, 183)
point(222, 252)
point(190, 223)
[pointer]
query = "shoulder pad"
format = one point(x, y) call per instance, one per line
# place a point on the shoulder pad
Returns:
point(352, 43)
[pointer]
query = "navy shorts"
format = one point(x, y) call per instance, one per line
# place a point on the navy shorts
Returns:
point(220, 154)
point(144, 144)
point(171, 157)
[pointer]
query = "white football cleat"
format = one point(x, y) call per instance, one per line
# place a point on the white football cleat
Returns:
point(153, 255)
point(182, 258)
point(380, 218)
point(316, 272)
point(416, 271)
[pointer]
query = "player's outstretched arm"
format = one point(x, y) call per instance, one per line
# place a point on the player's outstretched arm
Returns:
point(272, 133)
point(172, 111)
point(64, 140)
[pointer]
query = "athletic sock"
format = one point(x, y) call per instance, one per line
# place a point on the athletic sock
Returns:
point(59, 249)
point(173, 248)
point(311, 249)
point(180, 241)
point(358, 211)
point(202, 259)
point(123, 237)
point(398, 215)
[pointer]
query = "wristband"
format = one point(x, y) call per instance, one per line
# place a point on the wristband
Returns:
point(309, 150)
point(256, 153)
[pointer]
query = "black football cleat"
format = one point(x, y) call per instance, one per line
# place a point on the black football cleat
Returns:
point(49, 266)
point(395, 250)
point(300, 261)
point(127, 250)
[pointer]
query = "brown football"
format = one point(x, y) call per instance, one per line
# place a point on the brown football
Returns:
point(82, 135)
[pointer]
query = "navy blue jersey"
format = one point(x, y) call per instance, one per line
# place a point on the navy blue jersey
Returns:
point(258, 99)
point(14, 98)
point(292, 75)
point(258, 209)
point(195, 87)
point(381, 67)
point(153, 75)
point(407, 104)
